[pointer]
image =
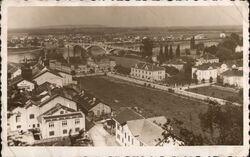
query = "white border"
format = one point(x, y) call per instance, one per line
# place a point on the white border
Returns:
point(123, 151)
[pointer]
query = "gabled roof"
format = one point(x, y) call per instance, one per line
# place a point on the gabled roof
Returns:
point(54, 109)
point(206, 66)
point(148, 66)
point(146, 131)
point(46, 86)
point(72, 115)
point(18, 79)
point(51, 98)
point(45, 71)
point(233, 72)
point(127, 115)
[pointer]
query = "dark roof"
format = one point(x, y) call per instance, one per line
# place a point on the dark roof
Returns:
point(127, 115)
point(18, 79)
point(46, 86)
point(86, 102)
point(233, 72)
point(147, 66)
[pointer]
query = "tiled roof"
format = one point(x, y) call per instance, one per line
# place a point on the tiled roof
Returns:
point(233, 72)
point(148, 67)
point(45, 71)
point(51, 98)
point(146, 131)
point(67, 115)
point(127, 115)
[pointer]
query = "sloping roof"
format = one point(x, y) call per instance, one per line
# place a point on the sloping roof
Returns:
point(11, 68)
point(234, 72)
point(54, 109)
point(67, 115)
point(45, 71)
point(237, 63)
point(146, 131)
point(127, 115)
point(16, 80)
point(147, 66)
point(51, 98)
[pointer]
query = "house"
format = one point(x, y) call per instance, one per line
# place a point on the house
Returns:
point(48, 75)
point(132, 129)
point(46, 114)
point(22, 83)
point(222, 35)
point(233, 77)
point(148, 72)
point(67, 78)
point(92, 106)
point(239, 49)
point(13, 71)
point(205, 72)
point(206, 58)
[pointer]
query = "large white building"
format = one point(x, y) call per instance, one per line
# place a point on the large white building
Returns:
point(148, 72)
point(41, 114)
point(205, 72)
point(233, 77)
point(132, 129)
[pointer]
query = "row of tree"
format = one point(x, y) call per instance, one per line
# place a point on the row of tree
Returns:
point(168, 53)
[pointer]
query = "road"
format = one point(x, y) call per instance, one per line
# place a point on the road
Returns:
point(101, 137)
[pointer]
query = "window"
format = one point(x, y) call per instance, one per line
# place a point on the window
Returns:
point(61, 112)
point(64, 123)
point(65, 131)
point(32, 116)
point(34, 125)
point(118, 136)
point(132, 140)
point(51, 133)
point(128, 138)
point(118, 127)
point(18, 126)
point(77, 121)
point(125, 135)
point(122, 140)
point(18, 118)
point(51, 124)
point(77, 129)
point(38, 125)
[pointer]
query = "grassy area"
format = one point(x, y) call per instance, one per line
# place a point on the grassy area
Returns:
point(218, 93)
point(154, 102)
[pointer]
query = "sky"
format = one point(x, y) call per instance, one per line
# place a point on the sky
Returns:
point(33, 17)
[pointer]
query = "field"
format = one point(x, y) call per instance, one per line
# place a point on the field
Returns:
point(154, 102)
point(218, 93)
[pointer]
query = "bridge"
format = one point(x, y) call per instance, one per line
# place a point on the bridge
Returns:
point(108, 49)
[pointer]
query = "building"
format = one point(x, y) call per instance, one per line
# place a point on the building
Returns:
point(178, 64)
point(148, 72)
point(22, 83)
point(51, 115)
point(205, 72)
point(48, 75)
point(222, 35)
point(206, 58)
point(132, 129)
point(233, 77)
point(92, 106)
point(13, 71)
point(239, 49)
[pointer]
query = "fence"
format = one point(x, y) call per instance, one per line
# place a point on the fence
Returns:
point(166, 88)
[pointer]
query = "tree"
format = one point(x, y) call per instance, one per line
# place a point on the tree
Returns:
point(211, 49)
point(178, 52)
point(192, 43)
point(195, 78)
point(166, 53)
point(224, 54)
point(203, 80)
point(170, 52)
point(161, 57)
point(188, 71)
point(147, 48)
point(198, 52)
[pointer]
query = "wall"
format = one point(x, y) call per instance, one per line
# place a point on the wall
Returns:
point(49, 77)
point(101, 108)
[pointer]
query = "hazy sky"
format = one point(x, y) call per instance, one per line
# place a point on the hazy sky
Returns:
point(28, 17)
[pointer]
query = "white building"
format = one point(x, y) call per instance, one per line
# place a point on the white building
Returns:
point(206, 58)
point(26, 84)
point(39, 114)
point(239, 49)
point(134, 130)
point(222, 35)
point(205, 72)
point(148, 72)
point(233, 77)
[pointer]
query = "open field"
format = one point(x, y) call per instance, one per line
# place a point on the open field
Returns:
point(218, 93)
point(154, 102)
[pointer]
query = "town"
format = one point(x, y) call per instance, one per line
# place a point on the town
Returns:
point(118, 89)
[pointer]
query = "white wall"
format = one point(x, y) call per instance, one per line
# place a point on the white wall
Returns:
point(49, 77)
point(29, 86)
point(101, 108)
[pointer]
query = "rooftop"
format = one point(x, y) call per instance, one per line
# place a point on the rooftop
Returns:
point(208, 56)
point(233, 72)
point(147, 66)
